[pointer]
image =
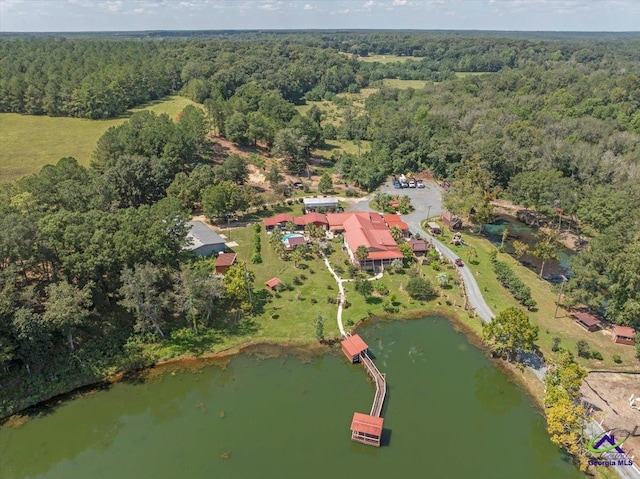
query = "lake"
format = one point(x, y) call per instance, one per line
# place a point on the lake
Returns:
point(449, 413)
point(553, 268)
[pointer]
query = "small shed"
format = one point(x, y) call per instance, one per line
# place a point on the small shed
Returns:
point(453, 222)
point(588, 321)
point(419, 247)
point(272, 283)
point(624, 335)
point(366, 429)
point(224, 261)
point(352, 347)
point(434, 228)
point(202, 240)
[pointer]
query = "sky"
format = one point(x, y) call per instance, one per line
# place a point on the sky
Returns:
point(128, 15)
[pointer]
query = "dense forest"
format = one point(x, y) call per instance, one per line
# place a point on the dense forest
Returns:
point(92, 265)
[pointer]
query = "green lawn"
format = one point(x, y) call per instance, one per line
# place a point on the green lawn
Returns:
point(545, 294)
point(348, 146)
point(404, 84)
point(30, 142)
point(387, 58)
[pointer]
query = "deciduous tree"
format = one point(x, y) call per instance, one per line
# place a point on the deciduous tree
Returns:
point(510, 332)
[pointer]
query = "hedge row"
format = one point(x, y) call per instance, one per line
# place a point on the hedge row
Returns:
point(515, 285)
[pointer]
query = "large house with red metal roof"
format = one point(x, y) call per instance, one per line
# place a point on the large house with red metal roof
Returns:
point(366, 229)
point(363, 228)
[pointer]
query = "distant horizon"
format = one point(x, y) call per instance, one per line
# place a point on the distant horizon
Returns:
point(213, 30)
point(88, 16)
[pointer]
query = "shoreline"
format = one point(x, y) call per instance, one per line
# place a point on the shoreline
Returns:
point(306, 350)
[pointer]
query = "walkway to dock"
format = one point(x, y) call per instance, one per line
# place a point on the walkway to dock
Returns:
point(381, 384)
point(362, 428)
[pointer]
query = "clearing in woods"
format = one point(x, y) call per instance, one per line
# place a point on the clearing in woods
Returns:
point(30, 142)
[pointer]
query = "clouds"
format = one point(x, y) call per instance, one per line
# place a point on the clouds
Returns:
point(87, 15)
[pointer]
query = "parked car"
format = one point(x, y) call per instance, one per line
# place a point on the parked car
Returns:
point(420, 184)
point(412, 183)
point(459, 262)
point(397, 184)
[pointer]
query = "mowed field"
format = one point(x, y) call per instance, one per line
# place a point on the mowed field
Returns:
point(27, 143)
point(404, 84)
point(387, 58)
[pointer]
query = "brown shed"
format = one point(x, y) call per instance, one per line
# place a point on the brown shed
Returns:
point(224, 261)
point(453, 222)
point(352, 347)
point(366, 429)
point(419, 247)
point(624, 335)
point(588, 321)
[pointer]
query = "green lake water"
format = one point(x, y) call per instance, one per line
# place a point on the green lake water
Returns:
point(449, 414)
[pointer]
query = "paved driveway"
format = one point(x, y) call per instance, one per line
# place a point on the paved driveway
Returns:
point(428, 202)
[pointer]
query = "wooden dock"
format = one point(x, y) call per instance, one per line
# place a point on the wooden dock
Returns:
point(381, 383)
point(366, 428)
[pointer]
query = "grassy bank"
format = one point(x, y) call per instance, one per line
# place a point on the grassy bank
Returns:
point(545, 294)
point(30, 142)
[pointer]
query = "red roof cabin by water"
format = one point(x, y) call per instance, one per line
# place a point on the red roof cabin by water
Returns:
point(366, 429)
point(352, 347)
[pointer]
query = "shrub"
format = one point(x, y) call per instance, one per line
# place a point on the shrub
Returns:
point(331, 300)
point(297, 281)
point(493, 255)
point(555, 344)
point(351, 192)
point(329, 286)
point(256, 258)
point(381, 289)
point(617, 359)
point(420, 288)
point(597, 355)
point(256, 228)
point(583, 349)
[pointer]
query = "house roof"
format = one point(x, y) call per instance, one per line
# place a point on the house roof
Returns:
point(587, 319)
point(371, 232)
point(278, 219)
point(354, 345)
point(367, 424)
point(395, 220)
point(201, 235)
point(418, 245)
point(624, 331)
point(321, 201)
point(226, 259)
point(296, 240)
point(272, 283)
point(313, 218)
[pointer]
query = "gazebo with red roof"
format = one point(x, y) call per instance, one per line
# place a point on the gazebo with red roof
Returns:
point(366, 429)
point(624, 335)
point(352, 347)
